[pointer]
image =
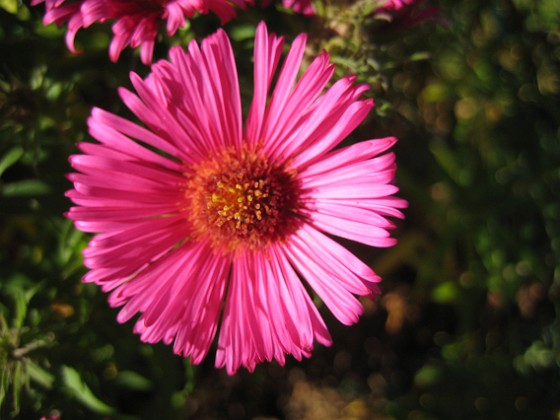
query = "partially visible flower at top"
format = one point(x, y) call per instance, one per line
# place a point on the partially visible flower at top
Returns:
point(136, 21)
point(394, 5)
point(305, 7)
point(225, 225)
point(407, 13)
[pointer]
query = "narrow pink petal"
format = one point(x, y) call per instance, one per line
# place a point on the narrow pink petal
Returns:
point(138, 196)
point(121, 38)
point(150, 117)
point(286, 80)
point(140, 292)
point(330, 135)
point(146, 50)
point(192, 115)
point(211, 114)
point(356, 276)
point(348, 155)
point(74, 25)
point(94, 11)
point(115, 213)
point(267, 55)
point(355, 230)
point(349, 212)
point(380, 170)
point(105, 127)
point(187, 305)
point(308, 88)
point(385, 206)
point(268, 314)
point(355, 191)
point(326, 121)
point(343, 305)
point(171, 169)
point(241, 338)
point(132, 254)
point(298, 307)
point(176, 15)
point(145, 230)
point(82, 199)
point(225, 88)
point(129, 172)
point(107, 278)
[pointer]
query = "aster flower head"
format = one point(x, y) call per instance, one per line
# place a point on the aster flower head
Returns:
point(227, 228)
point(388, 5)
point(305, 7)
point(408, 13)
point(136, 22)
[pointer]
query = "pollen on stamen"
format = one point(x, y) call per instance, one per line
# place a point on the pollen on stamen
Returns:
point(239, 200)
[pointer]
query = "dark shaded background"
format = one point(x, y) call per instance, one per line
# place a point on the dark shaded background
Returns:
point(468, 325)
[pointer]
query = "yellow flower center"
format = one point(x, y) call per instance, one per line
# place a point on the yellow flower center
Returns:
point(238, 200)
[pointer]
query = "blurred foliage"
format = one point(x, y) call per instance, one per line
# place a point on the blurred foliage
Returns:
point(468, 326)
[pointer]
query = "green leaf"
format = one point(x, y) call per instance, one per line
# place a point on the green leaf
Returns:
point(133, 380)
point(10, 158)
point(81, 392)
point(420, 56)
point(11, 6)
point(343, 61)
point(4, 383)
point(21, 308)
point(40, 375)
point(19, 381)
point(22, 290)
point(242, 32)
point(27, 188)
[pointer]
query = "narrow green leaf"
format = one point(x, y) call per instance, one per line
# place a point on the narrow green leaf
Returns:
point(81, 392)
point(20, 309)
point(10, 6)
point(4, 382)
point(27, 188)
point(348, 62)
point(242, 32)
point(19, 380)
point(40, 375)
point(10, 158)
point(133, 380)
point(420, 56)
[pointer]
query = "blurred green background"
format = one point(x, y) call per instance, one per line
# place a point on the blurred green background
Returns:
point(468, 326)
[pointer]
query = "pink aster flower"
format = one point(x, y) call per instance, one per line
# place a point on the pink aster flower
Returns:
point(395, 4)
point(305, 7)
point(136, 21)
point(217, 233)
point(407, 13)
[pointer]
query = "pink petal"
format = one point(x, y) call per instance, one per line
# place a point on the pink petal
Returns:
point(344, 306)
point(267, 54)
point(355, 230)
point(355, 153)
